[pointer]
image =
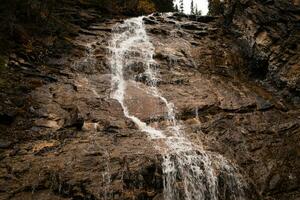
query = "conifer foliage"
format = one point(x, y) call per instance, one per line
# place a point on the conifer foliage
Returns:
point(192, 8)
point(215, 7)
point(181, 6)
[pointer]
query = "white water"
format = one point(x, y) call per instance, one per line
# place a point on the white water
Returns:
point(190, 172)
point(131, 37)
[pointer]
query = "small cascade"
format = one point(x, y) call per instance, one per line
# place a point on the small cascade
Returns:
point(86, 63)
point(190, 172)
point(106, 175)
point(88, 60)
point(130, 39)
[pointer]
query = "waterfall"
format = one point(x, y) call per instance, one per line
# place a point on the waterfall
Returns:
point(189, 172)
point(130, 37)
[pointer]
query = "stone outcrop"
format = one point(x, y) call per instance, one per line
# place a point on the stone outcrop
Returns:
point(234, 86)
point(270, 30)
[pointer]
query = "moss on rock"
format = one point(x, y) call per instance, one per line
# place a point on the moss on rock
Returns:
point(3, 62)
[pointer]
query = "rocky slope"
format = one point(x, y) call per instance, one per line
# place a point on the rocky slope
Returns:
point(234, 80)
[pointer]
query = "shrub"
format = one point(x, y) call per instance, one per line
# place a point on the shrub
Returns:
point(146, 6)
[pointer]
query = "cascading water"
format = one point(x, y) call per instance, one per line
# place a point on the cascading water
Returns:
point(129, 38)
point(189, 171)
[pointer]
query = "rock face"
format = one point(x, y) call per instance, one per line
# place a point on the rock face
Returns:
point(271, 31)
point(234, 84)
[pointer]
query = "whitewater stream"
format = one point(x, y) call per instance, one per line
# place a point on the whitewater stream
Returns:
point(189, 172)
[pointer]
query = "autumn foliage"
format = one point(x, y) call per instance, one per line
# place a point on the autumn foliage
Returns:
point(146, 6)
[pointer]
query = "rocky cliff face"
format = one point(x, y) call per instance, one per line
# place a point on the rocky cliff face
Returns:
point(234, 81)
point(270, 30)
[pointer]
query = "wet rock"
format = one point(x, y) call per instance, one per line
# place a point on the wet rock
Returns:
point(159, 31)
point(142, 104)
point(201, 33)
point(262, 104)
point(4, 144)
point(149, 21)
point(75, 119)
point(7, 118)
point(191, 26)
point(100, 28)
point(114, 126)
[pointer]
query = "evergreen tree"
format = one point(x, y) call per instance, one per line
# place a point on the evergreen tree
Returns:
point(176, 9)
point(197, 12)
point(181, 6)
point(215, 7)
point(192, 8)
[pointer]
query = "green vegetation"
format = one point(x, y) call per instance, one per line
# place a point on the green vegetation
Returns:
point(194, 9)
point(3, 62)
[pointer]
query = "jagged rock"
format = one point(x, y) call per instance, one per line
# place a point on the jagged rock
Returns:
point(149, 21)
point(114, 126)
point(88, 126)
point(48, 123)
